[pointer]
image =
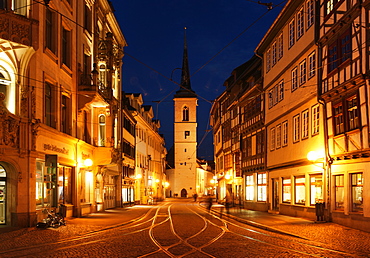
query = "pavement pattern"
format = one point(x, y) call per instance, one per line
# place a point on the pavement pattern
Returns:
point(328, 233)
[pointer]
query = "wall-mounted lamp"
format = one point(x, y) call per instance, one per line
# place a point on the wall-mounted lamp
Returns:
point(88, 162)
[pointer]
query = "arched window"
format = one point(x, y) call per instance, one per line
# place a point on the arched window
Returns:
point(185, 114)
point(102, 135)
point(102, 76)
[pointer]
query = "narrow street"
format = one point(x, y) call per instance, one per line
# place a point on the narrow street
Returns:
point(184, 228)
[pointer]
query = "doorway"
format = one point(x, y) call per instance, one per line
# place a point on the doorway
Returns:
point(275, 194)
point(184, 193)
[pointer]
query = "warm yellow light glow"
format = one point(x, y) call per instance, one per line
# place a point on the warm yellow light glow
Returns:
point(212, 181)
point(166, 184)
point(314, 155)
point(138, 176)
point(227, 176)
point(88, 162)
point(157, 180)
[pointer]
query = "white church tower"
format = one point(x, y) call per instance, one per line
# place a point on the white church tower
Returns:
point(183, 177)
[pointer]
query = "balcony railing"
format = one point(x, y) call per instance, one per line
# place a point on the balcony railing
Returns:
point(16, 28)
point(88, 85)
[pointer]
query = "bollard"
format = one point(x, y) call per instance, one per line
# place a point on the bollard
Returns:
point(320, 206)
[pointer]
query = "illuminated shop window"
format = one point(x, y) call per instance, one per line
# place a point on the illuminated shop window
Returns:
point(300, 190)
point(357, 182)
point(261, 186)
point(339, 192)
point(249, 191)
point(287, 190)
point(316, 189)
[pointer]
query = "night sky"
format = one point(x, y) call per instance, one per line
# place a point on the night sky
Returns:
point(221, 35)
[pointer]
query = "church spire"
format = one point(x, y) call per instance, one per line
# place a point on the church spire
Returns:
point(185, 86)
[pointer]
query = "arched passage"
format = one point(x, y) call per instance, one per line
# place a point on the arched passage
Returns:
point(184, 193)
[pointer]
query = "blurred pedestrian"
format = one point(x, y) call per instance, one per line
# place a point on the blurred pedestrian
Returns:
point(209, 203)
point(228, 202)
point(195, 196)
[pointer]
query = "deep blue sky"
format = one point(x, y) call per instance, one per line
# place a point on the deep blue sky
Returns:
point(221, 35)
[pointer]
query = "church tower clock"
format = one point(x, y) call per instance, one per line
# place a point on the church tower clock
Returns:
point(185, 134)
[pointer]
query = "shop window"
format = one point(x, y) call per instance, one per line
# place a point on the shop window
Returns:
point(339, 192)
point(261, 186)
point(300, 190)
point(357, 183)
point(65, 184)
point(46, 184)
point(287, 190)
point(249, 189)
point(316, 189)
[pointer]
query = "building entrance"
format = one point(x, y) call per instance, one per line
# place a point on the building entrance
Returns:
point(184, 193)
point(2, 195)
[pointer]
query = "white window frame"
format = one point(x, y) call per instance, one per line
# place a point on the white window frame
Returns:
point(312, 65)
point(280, 46)
point(302, 72)
point(291, 33)
point(310, 7)
point(296, 128)
point(294, 79)
point(285, 133)
point(315, 119)
point(278, 136)
point(281, 91)
point(300, 23)
point(274, 53)
point(305, 124)
point(272, 139)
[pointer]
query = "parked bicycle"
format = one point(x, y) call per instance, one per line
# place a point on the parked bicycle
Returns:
point(53, 219)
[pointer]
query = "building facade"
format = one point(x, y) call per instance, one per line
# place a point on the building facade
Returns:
point(60, 75)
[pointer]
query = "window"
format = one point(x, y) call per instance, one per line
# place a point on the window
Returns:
point(102, 76)
point(300, 23)
point(272, 138)
point(19, 7)
point(261, 186)
point(185, 114)
point(291, 33)
point(274, 53)
point(294, 79)
point(316, 189)
point(346, 115)
point(102, 131)
point(259, 142)
point(66, 47)
point(287, 190)
point(310, 13)
point(278, 136)
point(333, 57)
point(249, 189)
point(280, 46)
point(268, 60)
point(49, 108)
point(66, 115)
point(352, 112)
point(285, 133)
point(311, 65)
point(305, 122)
point(187, 134)
point(88, 19)
point(281, 91)
point(50, 30)
point(271, 98)
point(302, 72)
point(339, 192)
point(315, 119)
point(340, 51)
point(329, 6)
point(357, 183)
point(7, 88)
point(300, 190)
point(296, 130)
point(65, 184)
point(338, 118)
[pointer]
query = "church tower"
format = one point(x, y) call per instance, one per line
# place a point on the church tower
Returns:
point(185, 134)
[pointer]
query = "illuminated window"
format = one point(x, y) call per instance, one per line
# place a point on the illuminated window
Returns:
point(357, 183)
point(316, 189)
point(300, 190)
point(287, 190)
point(339, 192)
point(261, 186)
point(249, 192)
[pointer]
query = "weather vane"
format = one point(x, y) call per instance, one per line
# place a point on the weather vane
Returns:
point(269, 5)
